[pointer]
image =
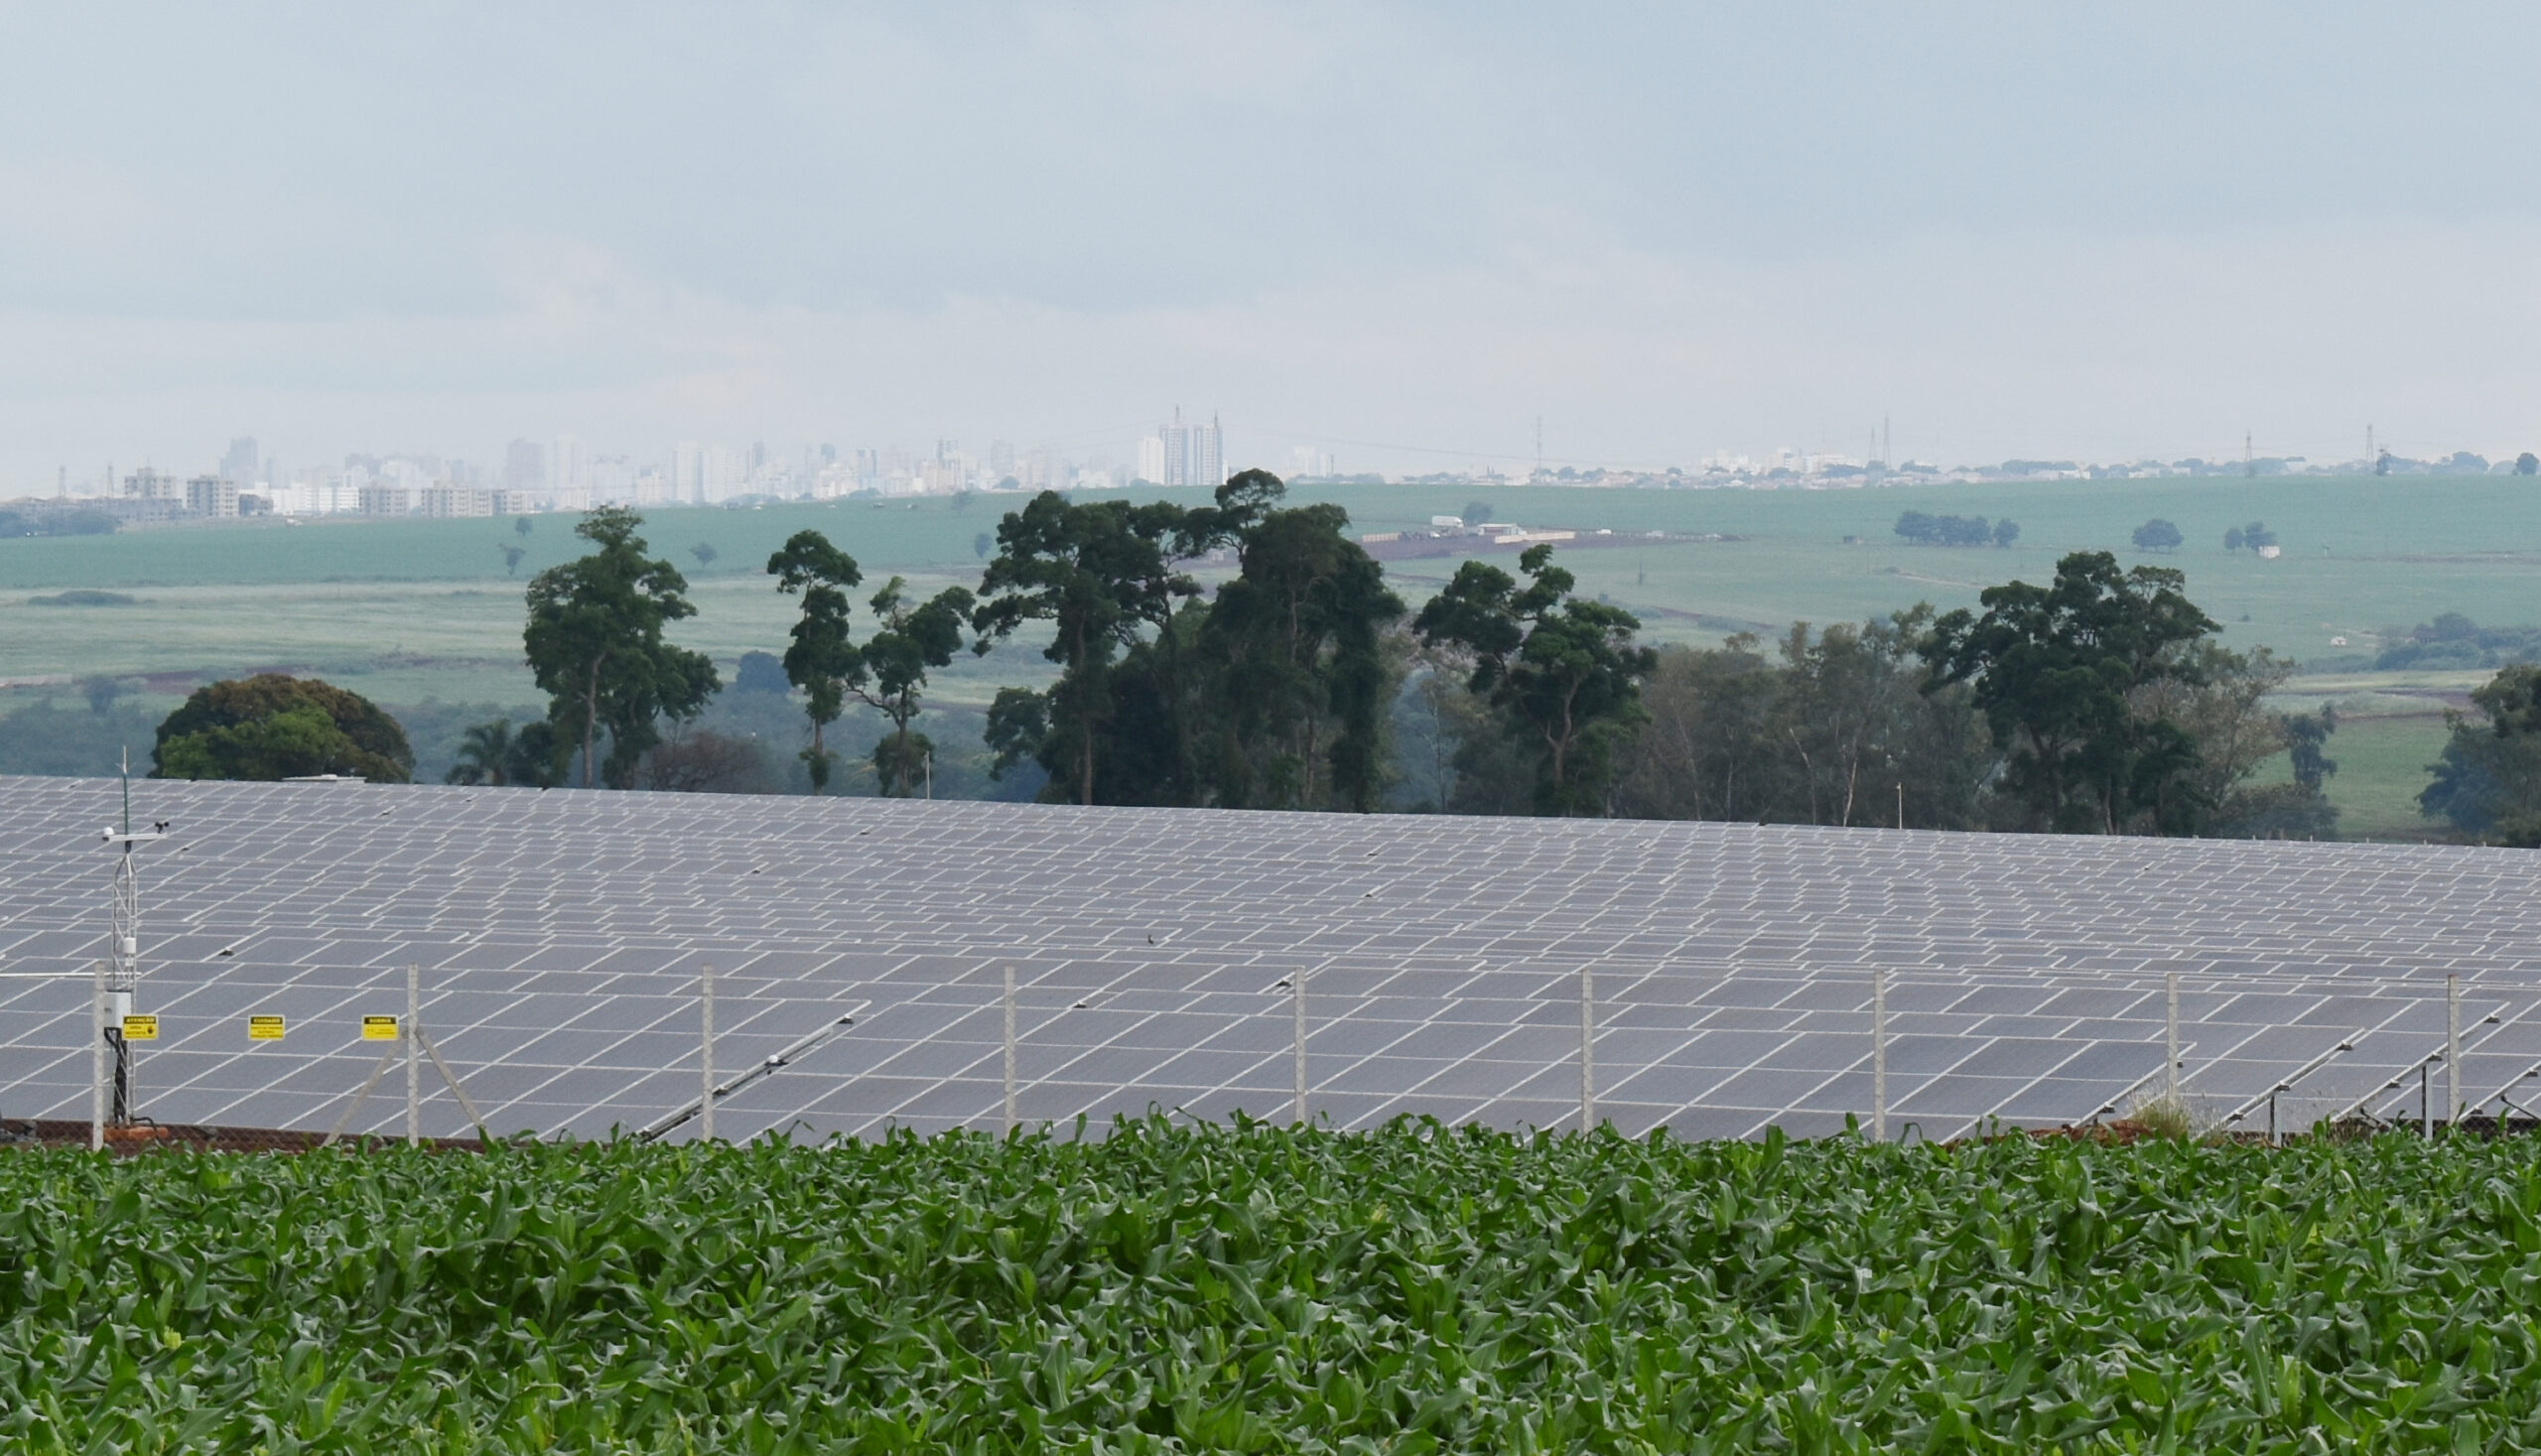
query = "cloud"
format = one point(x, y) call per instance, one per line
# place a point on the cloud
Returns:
point(1663, 231)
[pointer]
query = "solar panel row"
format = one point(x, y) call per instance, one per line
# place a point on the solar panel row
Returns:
point(561, 936)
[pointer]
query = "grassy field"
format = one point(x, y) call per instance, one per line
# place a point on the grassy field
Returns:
point(409, 611)
point(1178, 1288)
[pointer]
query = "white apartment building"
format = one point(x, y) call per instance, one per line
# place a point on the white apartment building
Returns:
point(213, 495)
point(1184, 455)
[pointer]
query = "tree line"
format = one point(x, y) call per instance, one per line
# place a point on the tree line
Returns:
point(2097, 704)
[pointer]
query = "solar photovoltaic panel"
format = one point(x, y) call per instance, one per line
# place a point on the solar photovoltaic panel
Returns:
point(559, 938)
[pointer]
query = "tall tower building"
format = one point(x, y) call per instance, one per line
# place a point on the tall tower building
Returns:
point(688, 472)
point(1178, 450)
point(564, 464)
point(524, 464)
point(1208, 455)
point(239, 465)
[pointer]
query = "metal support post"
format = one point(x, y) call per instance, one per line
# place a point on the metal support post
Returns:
point(414, 1065)
point(1297, 1004)
point(1009, 1048)
point(2426, 1102)
point(1879, 1054)
point(97, 1059)
point(1587, 1050)
point(705, 1053)
point(2451, 1049)
point(2171, 1042)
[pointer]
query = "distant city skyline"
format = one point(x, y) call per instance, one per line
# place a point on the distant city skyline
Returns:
point(560, 474)
point(1401, 235)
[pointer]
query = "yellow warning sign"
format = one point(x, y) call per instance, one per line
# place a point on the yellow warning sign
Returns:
point(141, 1028)
point(264, 1028)
point(379, 1028)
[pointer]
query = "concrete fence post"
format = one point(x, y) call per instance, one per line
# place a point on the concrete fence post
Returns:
point(413, 1067)
point(1879, 1054)
point(1587, 1050)
point(705, 1052)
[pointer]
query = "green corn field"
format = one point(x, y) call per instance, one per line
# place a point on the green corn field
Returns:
point(1259, 1288)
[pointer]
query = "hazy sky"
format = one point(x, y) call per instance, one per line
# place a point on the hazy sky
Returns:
point(2016, 230)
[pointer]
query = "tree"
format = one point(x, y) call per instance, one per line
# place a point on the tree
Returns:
point(2054, 668)
point(1838, 731)
point(2257, 537)
point(821, 660)
point(705, 555)
point(2006, 531)
point(511, 559)
point(2306, 734)
point(695, 761)
point(982, 544)
point(908, 641)
point(1100, 574)
point(1565, 672)
point(2219, 699)
point(521, 527)
point(2158, 535)
point(275, 727)
point(2487, 781)
point(761, 672)
point(1476, 512)
point(1932, 530)
point(2232, 538)
point(1715, 746)
point(1298, 640)
point(101, 692)
point(540, 756)
point(595, 646)
point(484, 755)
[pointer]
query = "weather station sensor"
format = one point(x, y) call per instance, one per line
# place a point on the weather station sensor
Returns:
point(120, 972)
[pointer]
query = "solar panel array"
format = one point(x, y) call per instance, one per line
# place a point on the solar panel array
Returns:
point(861, 945)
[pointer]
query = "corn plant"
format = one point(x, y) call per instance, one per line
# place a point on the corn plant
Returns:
point(1264, 1288)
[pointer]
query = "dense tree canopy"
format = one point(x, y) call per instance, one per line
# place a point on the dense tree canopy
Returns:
point(275, 727)
point(2054, 668)
point(2487, 782)
point(2158, 535)
point(596, 645)
point(1566, 672)
point(1100, 574)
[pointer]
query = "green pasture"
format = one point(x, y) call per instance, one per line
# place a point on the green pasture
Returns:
point(406, 610)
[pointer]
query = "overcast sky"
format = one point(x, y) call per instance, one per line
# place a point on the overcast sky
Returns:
point(2014, 231)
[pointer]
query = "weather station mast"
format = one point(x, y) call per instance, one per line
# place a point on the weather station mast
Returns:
point(124, 958)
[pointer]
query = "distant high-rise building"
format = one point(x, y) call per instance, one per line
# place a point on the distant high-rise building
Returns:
point(1178, 450)
point(240, 464)
point(688, 472)
point(1306, 462)
point(1208, 455)
point(524, 464)
point(1184, 455)
point(149, 485)
point(564, 464)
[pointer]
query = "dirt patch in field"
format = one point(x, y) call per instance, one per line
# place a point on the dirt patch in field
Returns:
point(168, 1136)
